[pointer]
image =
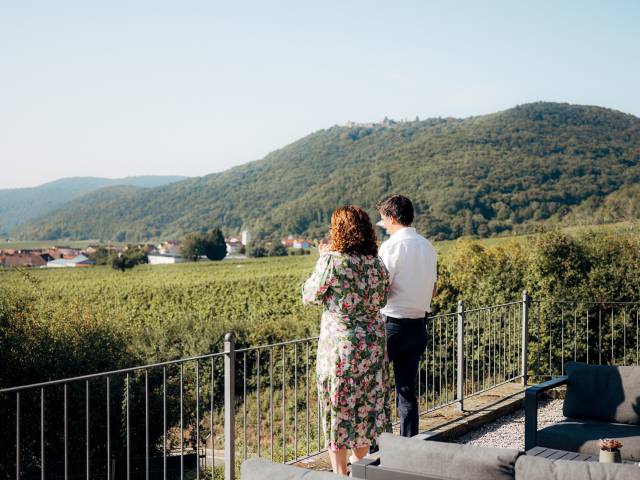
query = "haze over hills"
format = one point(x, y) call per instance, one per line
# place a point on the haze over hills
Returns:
point(17, 205)
point(479, 175)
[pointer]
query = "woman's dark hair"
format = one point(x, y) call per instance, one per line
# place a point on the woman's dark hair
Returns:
point(397, 207)
point(352, 232)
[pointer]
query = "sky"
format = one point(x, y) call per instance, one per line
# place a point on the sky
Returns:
point(144, 87)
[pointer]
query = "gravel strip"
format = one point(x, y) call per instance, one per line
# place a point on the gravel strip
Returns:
point(508, 431)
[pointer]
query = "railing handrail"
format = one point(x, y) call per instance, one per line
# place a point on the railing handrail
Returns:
point(479, 309)
point(279, 344)
point(92, 376)
point(584, 302)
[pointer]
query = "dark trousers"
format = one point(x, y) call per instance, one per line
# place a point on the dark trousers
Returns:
point(406, 341)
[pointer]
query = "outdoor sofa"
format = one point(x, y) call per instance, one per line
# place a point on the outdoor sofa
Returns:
point(414, 458)
point(601, 401)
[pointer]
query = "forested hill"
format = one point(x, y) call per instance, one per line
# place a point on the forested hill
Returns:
point(18, 205)
point(480, 175)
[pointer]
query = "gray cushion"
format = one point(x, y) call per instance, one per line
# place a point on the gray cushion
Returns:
point(576, 435)
point(603, 392)
point(536, 468)
point(446, 460)
point(258, 469)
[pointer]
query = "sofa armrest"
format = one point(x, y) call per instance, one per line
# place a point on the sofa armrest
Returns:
point(359, 468)
point(531, 397)
point(369, 467)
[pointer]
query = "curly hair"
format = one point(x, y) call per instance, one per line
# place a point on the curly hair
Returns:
point(352, 232)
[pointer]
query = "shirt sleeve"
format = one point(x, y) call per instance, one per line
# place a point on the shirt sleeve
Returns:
point(318, 283)
point(386, 284)
point(389, 256)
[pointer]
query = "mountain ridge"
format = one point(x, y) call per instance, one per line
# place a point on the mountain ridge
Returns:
point(480, 175)
point(18, 205)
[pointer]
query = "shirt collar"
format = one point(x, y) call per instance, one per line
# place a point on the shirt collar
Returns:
point(403, 232)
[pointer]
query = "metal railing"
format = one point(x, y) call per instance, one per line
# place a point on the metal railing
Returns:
point(132, 420)
point(590, 332)
point(203, 415)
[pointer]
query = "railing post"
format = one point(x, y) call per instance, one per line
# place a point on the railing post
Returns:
point(461, 370)
point(524, 354)
point(229, 407)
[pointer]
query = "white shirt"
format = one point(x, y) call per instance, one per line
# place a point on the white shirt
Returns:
point(412, 264)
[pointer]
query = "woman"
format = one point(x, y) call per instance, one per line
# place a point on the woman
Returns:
point(351, 283)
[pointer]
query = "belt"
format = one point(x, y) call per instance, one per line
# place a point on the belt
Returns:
point(403, 321)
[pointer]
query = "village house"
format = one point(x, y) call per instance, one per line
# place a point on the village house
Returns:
point(296, 243)
point(77, 261)
point(24, 258)
point(63, 252)
point(170, 247)
point(234, 244)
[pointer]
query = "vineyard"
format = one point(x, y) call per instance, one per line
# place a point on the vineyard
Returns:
point(164, 312)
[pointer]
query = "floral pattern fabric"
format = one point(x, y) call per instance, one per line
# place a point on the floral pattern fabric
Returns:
point(352, 365)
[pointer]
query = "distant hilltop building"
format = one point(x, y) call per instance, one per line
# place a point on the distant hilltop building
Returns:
point(351, 124)
point(385, 122)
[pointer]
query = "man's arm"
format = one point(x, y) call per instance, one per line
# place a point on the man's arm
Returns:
point(389, 256)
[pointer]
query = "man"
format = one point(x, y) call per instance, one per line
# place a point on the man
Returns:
point(412, 264)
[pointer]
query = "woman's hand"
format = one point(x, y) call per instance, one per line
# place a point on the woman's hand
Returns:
point(324, 246)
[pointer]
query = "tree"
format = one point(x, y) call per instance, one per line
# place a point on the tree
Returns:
point(196, 245)
point(100, 256)
point(257, 251)
point(131, 257)
point(193, 246)
point(215, 247)
point(278, 250)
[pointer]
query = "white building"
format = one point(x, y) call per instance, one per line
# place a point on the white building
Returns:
point(163, 259)
point(233, 246)
point(246, 237)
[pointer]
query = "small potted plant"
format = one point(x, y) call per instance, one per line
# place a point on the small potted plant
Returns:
point(610, 450)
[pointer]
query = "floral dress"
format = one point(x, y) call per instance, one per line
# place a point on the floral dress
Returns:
point(352, 366)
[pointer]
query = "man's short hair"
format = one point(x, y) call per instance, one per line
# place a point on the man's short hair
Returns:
point(397, 207)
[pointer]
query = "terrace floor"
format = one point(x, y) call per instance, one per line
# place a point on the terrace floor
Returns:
point(480, 412)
